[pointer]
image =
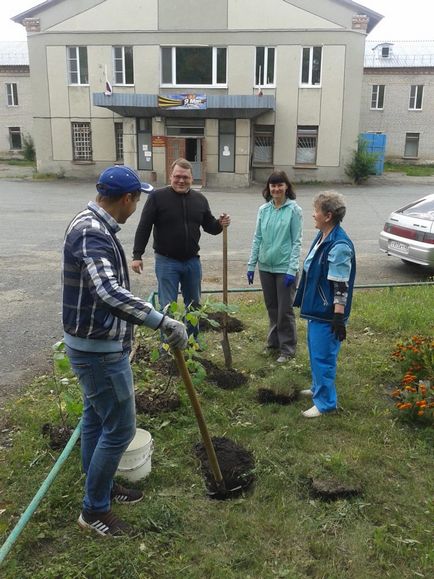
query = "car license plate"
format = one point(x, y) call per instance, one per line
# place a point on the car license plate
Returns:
point(398, 246)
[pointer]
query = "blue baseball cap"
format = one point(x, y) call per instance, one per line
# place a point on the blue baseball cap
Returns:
point(120, 179)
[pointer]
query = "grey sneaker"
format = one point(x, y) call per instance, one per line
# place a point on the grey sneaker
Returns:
point(306, 393)
point(125, 496)
point(105, 524)
point(282, 359)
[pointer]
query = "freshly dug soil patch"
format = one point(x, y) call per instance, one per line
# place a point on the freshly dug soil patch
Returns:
point(267, 396)
point(234, 324)
point(58, 436)
point(156, 402)
point(331, 489)
point(225, 379)
point(236, 465)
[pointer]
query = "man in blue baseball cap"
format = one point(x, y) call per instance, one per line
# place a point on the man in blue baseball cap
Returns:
point(98, 316)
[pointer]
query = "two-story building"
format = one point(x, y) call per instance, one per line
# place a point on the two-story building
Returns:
point(16, 118)
point(398, 97)
point(238, 87)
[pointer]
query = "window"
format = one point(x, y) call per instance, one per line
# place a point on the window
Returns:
point(193, 65)
point(119, 141)
point(186, 127)
point(227, 145)
point(12, 94)
point(123, 64)
point(307, 142)
point(377, 97)
point(311, 66)
point(77, 65)
point(144, 144)
point(416, 93)
point(385, 51)
point(81, 142)
point(15, 142)
point(411, 145)
point(264, 70)
point(263, 139)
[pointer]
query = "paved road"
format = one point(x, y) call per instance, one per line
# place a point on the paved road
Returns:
point(35, 216)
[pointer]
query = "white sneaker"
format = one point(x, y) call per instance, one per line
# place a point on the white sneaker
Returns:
point(306, 393)
point(312, 412)
point(282, 359)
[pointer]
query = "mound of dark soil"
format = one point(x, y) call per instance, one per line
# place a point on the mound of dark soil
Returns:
point(331, 489)
point(156, 402)
point(224, 378)
point(234, 324)
point(267, 396)
point(236, 465)
point(58, 436)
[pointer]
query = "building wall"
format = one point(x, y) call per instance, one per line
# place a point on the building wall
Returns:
point(14, 116)
point(240, 25)
point(395, 120)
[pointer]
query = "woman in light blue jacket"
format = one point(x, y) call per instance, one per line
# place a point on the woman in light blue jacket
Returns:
point(276, 250)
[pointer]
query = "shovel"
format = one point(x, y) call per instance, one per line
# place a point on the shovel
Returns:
point(225, 340)
point(210, 451)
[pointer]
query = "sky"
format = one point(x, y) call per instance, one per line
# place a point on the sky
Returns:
point(404, 19)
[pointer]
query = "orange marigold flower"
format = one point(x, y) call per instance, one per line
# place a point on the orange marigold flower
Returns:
point(420, 413)
point(396, 393)
point(421, 403)
point(406, 406)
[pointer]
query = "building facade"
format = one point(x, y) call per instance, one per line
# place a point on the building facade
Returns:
point(235, 87)
point(16, 118)
point(398, 98)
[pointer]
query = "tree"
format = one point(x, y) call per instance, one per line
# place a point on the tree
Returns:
point(362, 165)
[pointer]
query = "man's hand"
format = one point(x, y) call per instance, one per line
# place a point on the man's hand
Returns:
point(176, 333)
point(225, 220)
point(250, 276)
point(338, 327)
point(289, 279)
point(137, 265)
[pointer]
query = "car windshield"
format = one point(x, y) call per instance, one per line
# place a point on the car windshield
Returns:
point(422, 209)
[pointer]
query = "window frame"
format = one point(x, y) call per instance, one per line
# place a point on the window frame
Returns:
point(408, 138)
point(77, 158)
point(214, 68)
point(309, 83)
point(377, 97)
point(231, 136)
point(13, 131)
point(119, 141)
point(266, 132)
point(314, 129)
point(414, 96)
point(264, 72)
point(80, 66)
point(123, 60)
point(12, 94)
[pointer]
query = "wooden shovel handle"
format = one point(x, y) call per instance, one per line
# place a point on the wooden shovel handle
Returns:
point(212, 457)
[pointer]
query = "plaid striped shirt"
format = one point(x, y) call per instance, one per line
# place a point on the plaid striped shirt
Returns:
point(98, 307)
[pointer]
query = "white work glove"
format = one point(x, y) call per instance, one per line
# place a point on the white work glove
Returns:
point(176, 333)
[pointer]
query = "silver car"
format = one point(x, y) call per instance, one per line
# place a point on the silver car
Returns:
point(409, 232)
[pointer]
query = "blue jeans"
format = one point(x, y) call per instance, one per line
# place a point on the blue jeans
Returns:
point(171, 274)
point(109, 419)
point(323, 353)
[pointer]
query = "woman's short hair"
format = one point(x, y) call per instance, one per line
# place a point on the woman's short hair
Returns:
point(331, 202)
point(278, 177)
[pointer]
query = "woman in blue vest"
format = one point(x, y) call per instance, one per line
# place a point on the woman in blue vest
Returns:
point(276, 250)
point(324, 298)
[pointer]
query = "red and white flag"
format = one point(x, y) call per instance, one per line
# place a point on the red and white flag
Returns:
point(108, 87)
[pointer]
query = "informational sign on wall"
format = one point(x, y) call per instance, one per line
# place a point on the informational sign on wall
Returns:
point(182, 101)
point(158, 141)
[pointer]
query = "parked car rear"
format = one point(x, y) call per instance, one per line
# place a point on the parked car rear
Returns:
point(409, 232)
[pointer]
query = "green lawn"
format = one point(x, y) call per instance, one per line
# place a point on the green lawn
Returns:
point(279, 529)
point(410, 170)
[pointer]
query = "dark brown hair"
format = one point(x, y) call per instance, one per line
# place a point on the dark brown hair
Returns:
point(278, 177)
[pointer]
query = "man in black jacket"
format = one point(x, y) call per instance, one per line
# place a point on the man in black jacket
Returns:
point(176, 213)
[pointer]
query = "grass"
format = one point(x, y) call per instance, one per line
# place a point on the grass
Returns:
point(278, 530)
point(17, 162)
point(410, 170)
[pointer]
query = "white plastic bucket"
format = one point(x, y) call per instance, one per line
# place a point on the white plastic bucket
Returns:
point(136, 461)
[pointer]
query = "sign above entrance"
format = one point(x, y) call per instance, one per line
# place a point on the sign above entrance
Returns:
point(182, 101)
point(158, 141)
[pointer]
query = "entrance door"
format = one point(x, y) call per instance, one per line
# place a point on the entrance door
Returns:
point(193, 153)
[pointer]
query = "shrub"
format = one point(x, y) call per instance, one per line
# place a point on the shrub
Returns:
point(415, 394)
point(362, 164)
point(28, 148)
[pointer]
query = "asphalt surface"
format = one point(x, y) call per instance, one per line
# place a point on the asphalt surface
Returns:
point(35, 215)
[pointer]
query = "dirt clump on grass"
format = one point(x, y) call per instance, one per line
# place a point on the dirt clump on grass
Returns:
point(58, 436)
point(234, 324)
point(236, 465)
point(268, 396)
point(227, 379)
point(150, 402)
point(332, 489)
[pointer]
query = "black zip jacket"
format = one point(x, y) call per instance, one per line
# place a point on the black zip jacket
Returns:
point(177, 219)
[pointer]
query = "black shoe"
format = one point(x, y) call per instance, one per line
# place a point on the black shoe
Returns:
point(105, 524)
point(125, 496)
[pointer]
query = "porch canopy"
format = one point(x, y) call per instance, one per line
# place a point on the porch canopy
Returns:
point(217, 106)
